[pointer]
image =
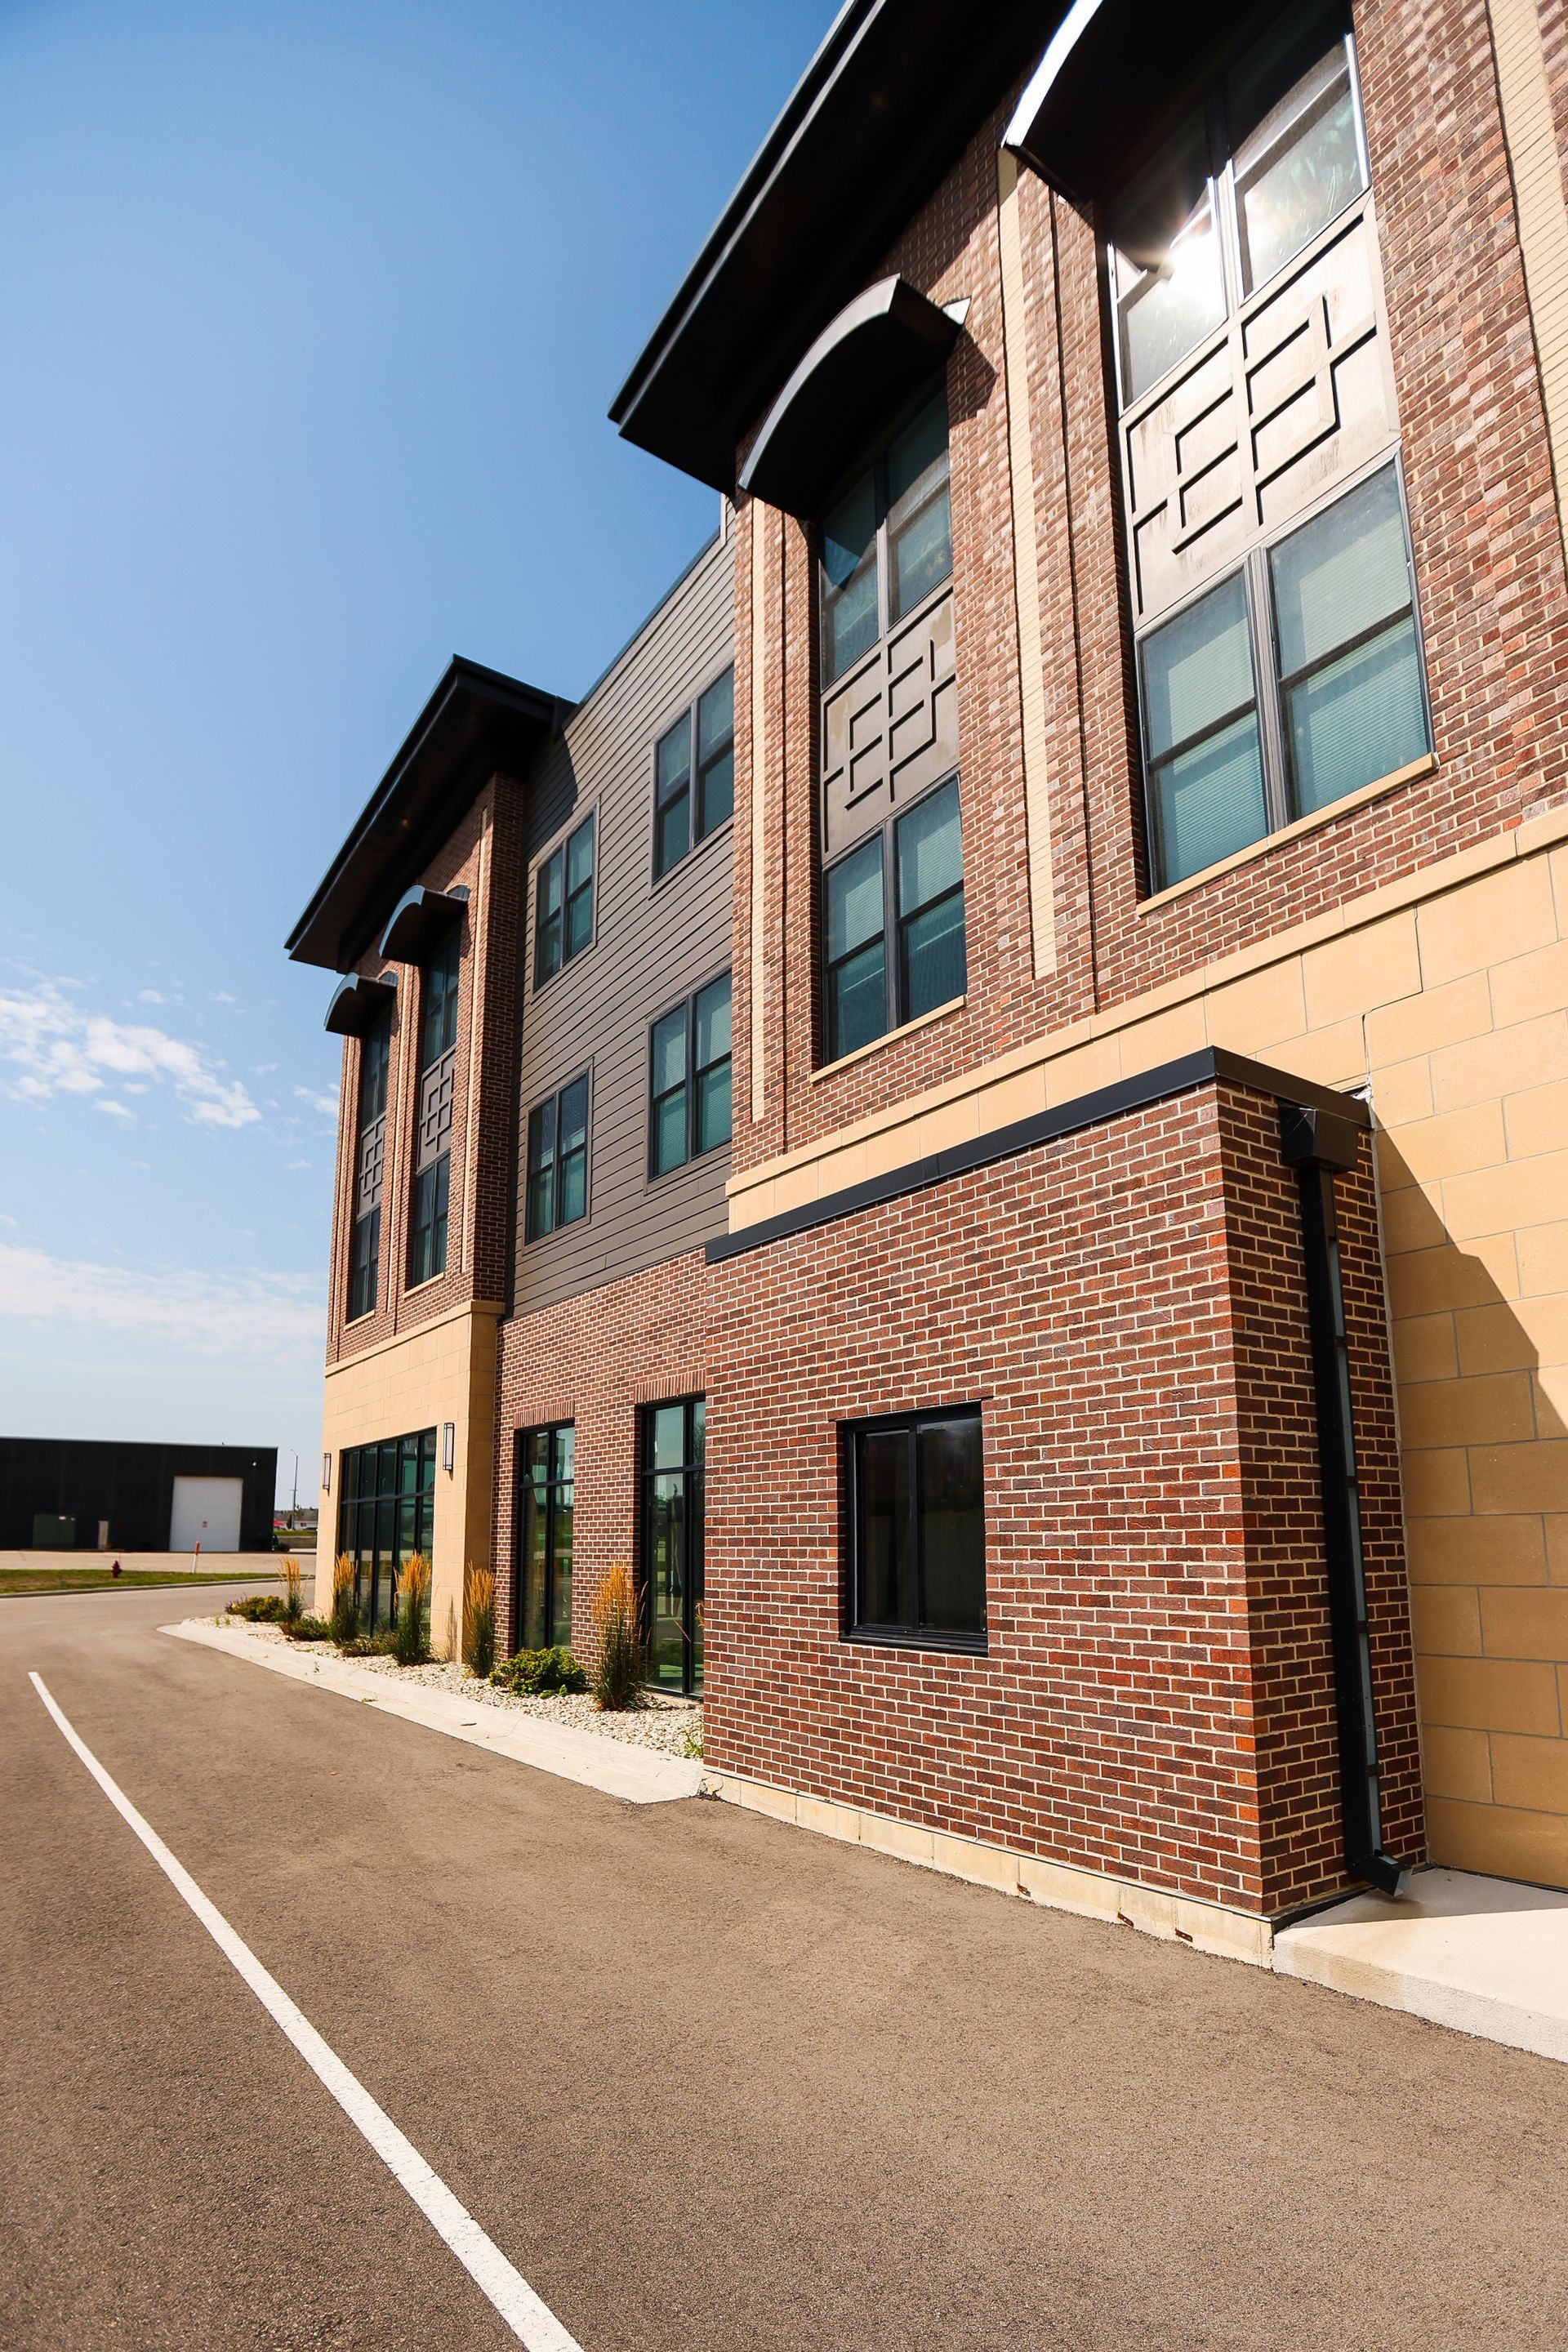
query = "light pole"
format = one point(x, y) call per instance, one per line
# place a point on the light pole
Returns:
point(294, 1506)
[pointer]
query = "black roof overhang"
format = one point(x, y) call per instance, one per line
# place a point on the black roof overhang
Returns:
point(881, 345)
point(478, 722)
point(418, 920)
point(1111, 71)
point(357, 1001)
point(889, 100)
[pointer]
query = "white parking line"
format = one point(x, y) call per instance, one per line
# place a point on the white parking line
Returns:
point(530, 2321)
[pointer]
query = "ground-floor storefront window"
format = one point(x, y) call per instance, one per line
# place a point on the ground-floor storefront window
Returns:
point(546, 1479)
point(387, 1513)
point(673, 1445)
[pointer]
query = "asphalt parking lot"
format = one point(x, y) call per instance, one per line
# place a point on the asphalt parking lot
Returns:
point(704, 2080)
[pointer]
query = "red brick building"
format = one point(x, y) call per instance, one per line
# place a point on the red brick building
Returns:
point(1100, 1423)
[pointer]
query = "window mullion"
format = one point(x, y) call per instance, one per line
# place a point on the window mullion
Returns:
point(690, 1078)
point(1270, 725)
point(892, 991)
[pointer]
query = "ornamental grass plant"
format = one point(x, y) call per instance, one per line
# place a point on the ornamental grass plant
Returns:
point(478, 1620)
point(618, 1671)
point(410, 1638)
point(293, 1594)
point(345, 1601)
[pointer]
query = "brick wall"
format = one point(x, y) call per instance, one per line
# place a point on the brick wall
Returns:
point(1154, 1703)
point(594, 1359)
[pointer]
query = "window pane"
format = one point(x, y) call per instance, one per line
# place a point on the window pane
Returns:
point(667, 1437)
point(669, 1050)
point(566, 1454)
point(1291, 117)
point(1168, 273)
point(572, 1187)
point(716, 715)
point(887, 1583)
point(698, 1429)
point(713, 1022)
point(917, 460)
point(560, 1628)
point(1197, 669)
point(952, 1527)
point(673, 833)
point(668, 1141)
point(857, 1001)
point(547, 919)
point(919, 519)
point(541, 1134)
point(851, 624)
point(575, 1115)
point(854, 912)
point(674, 758)
point(921, 554)
point(1357, 719)
point(929, 849)
point(580, 858)
point(717, 796)
point(579, 922)
point(934, 968)
point(1340, 573)
point(714, 1106)
point(1209, 802)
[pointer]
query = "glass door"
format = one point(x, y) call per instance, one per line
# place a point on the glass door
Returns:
point(547, 1478)
point(674, 1439)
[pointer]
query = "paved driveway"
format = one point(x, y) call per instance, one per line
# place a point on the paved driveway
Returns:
point(707, 2081)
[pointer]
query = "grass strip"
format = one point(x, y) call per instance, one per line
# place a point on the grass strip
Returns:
point(103, 1580)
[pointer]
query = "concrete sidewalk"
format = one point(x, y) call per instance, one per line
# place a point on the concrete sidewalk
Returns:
point(637, 1775)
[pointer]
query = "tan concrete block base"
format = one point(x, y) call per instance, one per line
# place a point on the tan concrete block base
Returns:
point(1059, 1886)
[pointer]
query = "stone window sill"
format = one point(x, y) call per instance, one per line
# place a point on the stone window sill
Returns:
point(1425, 766)
point(889, 1037)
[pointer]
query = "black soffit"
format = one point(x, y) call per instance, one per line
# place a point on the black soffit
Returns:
point(418, 920)
point(478, 723)
point(355, 1003)
point(879, 349)
point(1112, 69)
point(886, 105)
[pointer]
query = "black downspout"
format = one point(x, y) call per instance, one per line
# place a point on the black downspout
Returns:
point(1316, 1144)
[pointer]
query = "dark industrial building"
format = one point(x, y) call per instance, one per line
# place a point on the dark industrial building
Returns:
point(71, 1494)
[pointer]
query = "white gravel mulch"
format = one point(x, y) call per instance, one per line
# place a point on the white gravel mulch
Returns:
point(664, 1725)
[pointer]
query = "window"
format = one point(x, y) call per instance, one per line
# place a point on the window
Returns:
point(564, 903)
point(674, 1443)
point(1293, 683)
point(916, 1523)
point(1269, 158)
point(688, 1079)
point(693, 796)
point(370, 1158)
point(427, 1208)
point(386, 1513)
point(558, 1160)
point(546, 1475)
point(902, 886)
point(887, 543)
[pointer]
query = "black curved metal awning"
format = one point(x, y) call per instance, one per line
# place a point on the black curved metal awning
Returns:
point(418, 920)
point(1109, 73)
point(355, 1003)
point(877, 352)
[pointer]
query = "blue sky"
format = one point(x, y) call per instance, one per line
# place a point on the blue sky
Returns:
point(313, 313)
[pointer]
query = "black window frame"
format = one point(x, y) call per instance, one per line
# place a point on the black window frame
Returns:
point(1281, 798)
point(692, 1473)
point(878, 468)
point(694, 783)
point(687, 1083)
point(431, 1188)
point(446, 960)
point(554, 1482)
point(429, 1221)
point(915, 1634)
point(895, 927)
point(372, 1090)
point(373, 1506)
point(560, 859)
point(533, 1230)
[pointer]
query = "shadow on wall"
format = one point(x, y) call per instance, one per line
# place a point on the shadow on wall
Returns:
point(1483, 1454)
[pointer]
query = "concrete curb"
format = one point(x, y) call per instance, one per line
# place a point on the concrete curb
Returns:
point(637, 1775)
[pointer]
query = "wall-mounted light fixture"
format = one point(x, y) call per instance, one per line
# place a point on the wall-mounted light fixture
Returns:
point(326, 1474)
point(449, 1446)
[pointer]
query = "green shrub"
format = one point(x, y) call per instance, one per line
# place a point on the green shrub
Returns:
point(259, 1609)
point(369, 1645)
point(533, 1673)
point(310, 1629)
point(411, 1644)
point(480, 1619)
point(345, 1601)
point(618, 1674)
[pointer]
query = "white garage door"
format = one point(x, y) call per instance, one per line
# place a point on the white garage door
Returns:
point(206, 1512)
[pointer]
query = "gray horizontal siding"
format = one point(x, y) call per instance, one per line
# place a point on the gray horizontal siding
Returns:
point(652, 946)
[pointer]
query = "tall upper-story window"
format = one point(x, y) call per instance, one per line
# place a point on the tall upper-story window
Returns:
point(688, 1079)
point(428, 1206)
point(694, 775)
point(1278, 656)
point(558, 1160)
point(892, 910)
point(370, 1159)
point(564, 903)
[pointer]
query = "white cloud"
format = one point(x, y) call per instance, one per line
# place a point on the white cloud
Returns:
point(326, 1104)
point(114, 1109)
point(49, 1045)
point(299, 1163)
point(263, 1069)
point(222, 996)
point(151, 996)
point(277, 1316)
